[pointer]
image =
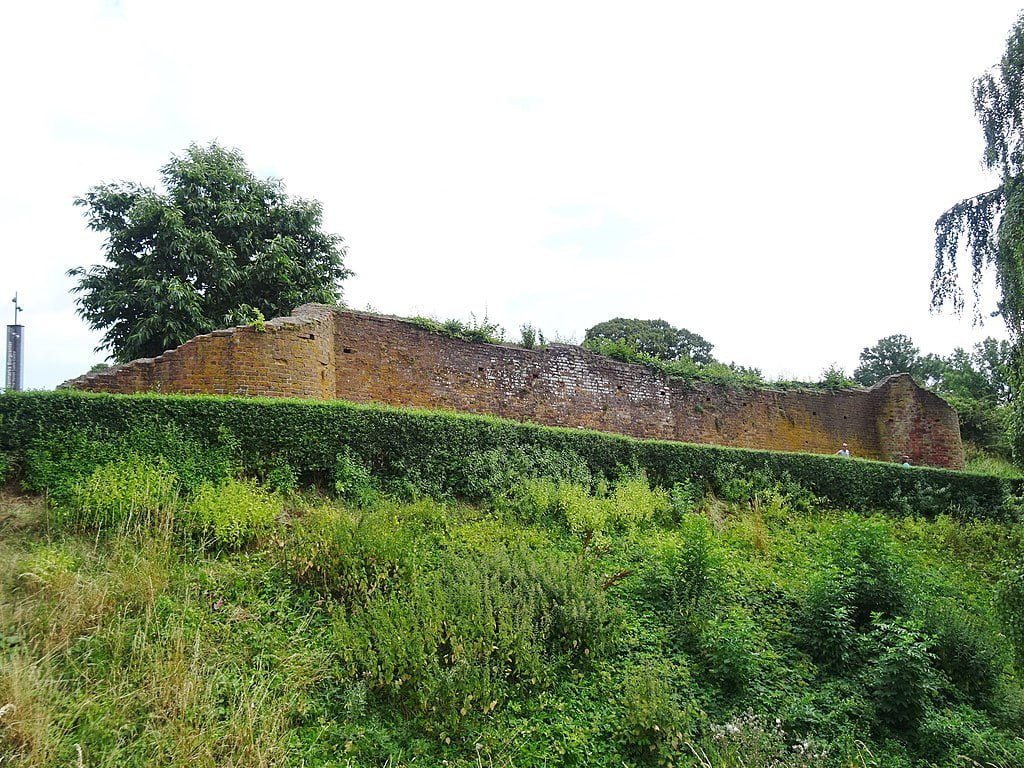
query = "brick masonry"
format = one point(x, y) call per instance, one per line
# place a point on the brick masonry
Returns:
point(321, 352)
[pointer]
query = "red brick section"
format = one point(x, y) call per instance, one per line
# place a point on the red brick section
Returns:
point(290, 357)
point(322, 352)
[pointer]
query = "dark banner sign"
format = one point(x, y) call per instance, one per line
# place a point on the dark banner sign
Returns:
point(15, 347)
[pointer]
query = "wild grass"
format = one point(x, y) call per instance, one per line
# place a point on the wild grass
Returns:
point(983, 463)
point(560, 623)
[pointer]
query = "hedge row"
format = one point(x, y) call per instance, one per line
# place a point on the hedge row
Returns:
point(469, 457)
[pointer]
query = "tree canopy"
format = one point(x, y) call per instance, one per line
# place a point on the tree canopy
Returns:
point(219, 246)
point(990, 226)
point(896, 354)
point(653, 337)
point(976, 384)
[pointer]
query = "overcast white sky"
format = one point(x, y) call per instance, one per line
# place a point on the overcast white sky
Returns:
point(764, 174)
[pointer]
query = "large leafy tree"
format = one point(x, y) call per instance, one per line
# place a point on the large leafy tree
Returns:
point(217, 246)
point(989, 227)
point(976, 383)
point(896, 354)
point(653, 337)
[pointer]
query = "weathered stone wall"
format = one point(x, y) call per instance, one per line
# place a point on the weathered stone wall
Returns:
point(320, 352)
point(292, 357)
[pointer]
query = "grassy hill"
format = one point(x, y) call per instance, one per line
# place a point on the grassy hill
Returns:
point(175, 592)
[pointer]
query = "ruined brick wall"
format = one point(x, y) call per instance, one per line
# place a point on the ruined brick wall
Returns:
point(290, 357)
point(323, 353)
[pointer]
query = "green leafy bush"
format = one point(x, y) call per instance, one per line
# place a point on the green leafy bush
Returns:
point(488, 474)
point(684, 498)
point(480, 331)
point(544, 499)
point(353, 481)
point(278, 475)
point(630, 503)
point(730, 651)
point(129, 493)
point(1011, 605)
point(864, 577)
point(900, 675)
point(634, 503)
point(651, 725)
point(532, 500)
point(585, 515)
point(65, 455)
point(232, 513)
point(967, 650)
point(352, 556)
point(683, 574)
point(453, 641)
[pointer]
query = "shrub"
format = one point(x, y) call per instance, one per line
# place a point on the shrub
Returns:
point(231, 514)
point(353, 481)
point(486, 475)
point(480, 331)
point(585, 515)
point(130, 493)
point(827, 629)
point(651, 723)
point(967, 650)
point(730, 652)
point(629, 504)
point(684, 575)
point(352, 556)
point(577, 619)
point(531, 501)
point(65, 456)
point(418, 452)
point(1010, 600)
point(195, 460)
point(278, 475)
point(732, 483)
point(868, 573)
point(684, 498)
point(634, 503)
point(900, 676)
point(456, 639)
point(862, 578)
point(53, 465)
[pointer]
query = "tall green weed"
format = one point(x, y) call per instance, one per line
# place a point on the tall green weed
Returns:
point(630, 503)
point(863, 576)
point(683, 575)
point(353, 481)
point(454, 641)
point(131, 492)
point(653, 717)
point(1010, 601)
point(900, 674)
point(353, 556)
point(232, 513)
point(968, 650)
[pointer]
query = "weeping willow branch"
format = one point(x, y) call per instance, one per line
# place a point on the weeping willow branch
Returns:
point(974, 224)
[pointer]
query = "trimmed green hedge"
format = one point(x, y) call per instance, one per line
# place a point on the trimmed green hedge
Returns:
point(413, 452)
